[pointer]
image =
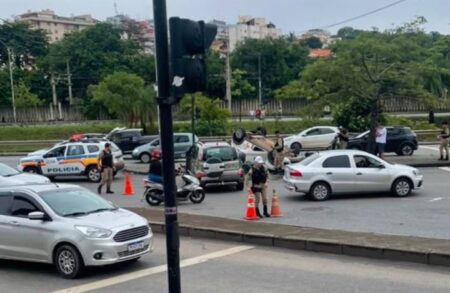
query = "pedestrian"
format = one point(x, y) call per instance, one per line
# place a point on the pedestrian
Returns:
point(380, 139)
point(278, 152)
point(444, 138)
point(343, 138)
point(258, 175)
point(155, 170)
point(106, 166)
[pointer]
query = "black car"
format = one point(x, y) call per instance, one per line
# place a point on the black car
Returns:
point(400, 140)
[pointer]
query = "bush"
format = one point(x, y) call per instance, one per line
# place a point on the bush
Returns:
point(354, 114)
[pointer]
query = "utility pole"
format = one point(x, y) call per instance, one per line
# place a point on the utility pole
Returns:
point(53, 84)
point(166, 135)
point(69, 82)
point(228, 78)
point(193, 119)
point(259, 81)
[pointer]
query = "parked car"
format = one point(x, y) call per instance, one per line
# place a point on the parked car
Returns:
point(129, 138)
point(349, 171)
point(71, 159)
point(400, 140)
point(10, 176)
point(216, 164)
point(318, 137)
point(70, 227)
point(182, 143)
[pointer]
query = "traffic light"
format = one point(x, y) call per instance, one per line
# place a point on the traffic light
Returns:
point(189, 41)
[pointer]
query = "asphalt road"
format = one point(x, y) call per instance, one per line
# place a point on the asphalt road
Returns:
point(425, 213)
point(214, 266)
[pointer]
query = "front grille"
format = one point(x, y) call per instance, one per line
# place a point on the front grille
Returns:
point(131, 234)
point(129, 253)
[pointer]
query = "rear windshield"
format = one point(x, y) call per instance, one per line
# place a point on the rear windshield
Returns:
point(222, 153)
point(308, 160)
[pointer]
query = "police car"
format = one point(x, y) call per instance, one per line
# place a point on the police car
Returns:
point(71, 159)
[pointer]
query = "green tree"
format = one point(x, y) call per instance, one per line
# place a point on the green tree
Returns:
point(24, 98)
point(348, 33)
point(312, 43)
point(126, 96)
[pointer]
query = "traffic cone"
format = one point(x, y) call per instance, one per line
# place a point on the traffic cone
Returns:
point(128, 187)
point(250, 213)
point(275, 210)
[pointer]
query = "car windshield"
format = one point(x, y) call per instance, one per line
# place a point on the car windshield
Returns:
point(309, 160)
point(75, 202)
point(7, 171)
point(222, 153)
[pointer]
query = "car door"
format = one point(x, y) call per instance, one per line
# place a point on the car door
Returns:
point(325, 137)
point(6, 248)
point(27, 238)
point(308, 139)
point(370, 174)
point(182, 145)
point(51, 165)
point(393, 140)
point(73, 161)
point(339, 173)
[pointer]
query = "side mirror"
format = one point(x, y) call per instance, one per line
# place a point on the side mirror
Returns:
point(36, 216)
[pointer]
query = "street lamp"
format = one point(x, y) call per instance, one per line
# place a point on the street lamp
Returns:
point(8, 50)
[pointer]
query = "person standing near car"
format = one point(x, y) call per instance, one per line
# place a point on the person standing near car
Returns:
point(155, 170)
point(380, 139)
point(278, 152)
point(106, 166)
point(343, 138)
point(444, 138)
point(258, 175)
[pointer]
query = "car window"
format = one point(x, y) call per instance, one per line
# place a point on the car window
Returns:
point(5, 202)
point(21, 207)
point(181, 139)
point(366, 162)
point(56, 152)
point(75, 150)
point(7, 171)
point(393, 131)
point(222, 153)
point(337, 162)
point(326, 131)
point(93, 149)
point(315, 131)
point(308, 160)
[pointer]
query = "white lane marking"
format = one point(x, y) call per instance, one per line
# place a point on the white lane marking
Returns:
point(152, 271)
point(436, 199)
point(429, 148)
point(445, 169)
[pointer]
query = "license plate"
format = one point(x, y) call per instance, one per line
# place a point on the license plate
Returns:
point(136, 246)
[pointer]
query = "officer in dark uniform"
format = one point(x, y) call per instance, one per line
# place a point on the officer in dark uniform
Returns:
point(258, 175)
point(106, 166)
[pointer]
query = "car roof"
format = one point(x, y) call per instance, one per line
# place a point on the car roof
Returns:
point(36, 188)
point(215, 144)
point(344, 152)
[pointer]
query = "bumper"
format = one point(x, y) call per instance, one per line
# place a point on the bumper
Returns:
point(113, 252)
point(296, 185)
point(418, 182)
point(135, 155)
point(222, 180)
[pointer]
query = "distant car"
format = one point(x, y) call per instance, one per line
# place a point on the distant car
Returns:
point(70, 227)
point(127, 139)
point(216, 164)
point(400, 140)
point(10, 176)
point(349, 171)
point(182, 143)
point(318, 137)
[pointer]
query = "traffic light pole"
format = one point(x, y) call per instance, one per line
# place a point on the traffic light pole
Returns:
point(166, 134)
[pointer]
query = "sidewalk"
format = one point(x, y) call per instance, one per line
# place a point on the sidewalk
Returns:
point(391, 247)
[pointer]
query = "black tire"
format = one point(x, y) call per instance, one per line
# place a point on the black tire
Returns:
point(197, 196)
point(151, 200)
point(406, 149)
point(239, 136)
point(296, 147)
point(32, 170)
point(68, 262)
point(401, 187)
point(93, 174)
point(145, 158)
point(320, 191)
point(240, 186)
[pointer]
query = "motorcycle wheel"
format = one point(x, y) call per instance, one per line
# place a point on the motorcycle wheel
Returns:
point(197, 196)
point(150, 197)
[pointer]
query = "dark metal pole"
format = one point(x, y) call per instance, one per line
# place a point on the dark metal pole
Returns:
point(166, 133)
point(193, 119)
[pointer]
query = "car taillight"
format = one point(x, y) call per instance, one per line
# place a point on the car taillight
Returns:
point(295, 173)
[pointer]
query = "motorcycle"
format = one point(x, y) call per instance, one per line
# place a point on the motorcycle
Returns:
point(191, 190)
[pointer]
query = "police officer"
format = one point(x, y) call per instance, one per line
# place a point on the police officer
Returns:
point(106, 166)
point(278, 152)
point(258, 175)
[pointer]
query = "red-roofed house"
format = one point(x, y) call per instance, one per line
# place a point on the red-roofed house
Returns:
point(319, 53)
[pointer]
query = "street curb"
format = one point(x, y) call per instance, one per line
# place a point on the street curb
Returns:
point(383, 249)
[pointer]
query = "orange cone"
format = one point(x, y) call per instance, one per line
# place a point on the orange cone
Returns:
point(275, 211)
point(128, 187)
point(250, 213)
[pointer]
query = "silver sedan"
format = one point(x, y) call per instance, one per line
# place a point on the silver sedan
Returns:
point(349, 171)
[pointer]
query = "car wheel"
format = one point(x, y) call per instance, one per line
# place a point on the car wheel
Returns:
point(68, 262)
point(150, 197)
point(402, 187)
point(320, 191)
point(197, 196)
point(93, 174)
point(145, 158)
point(296, 148)
point(32, 170)
point(406, 150)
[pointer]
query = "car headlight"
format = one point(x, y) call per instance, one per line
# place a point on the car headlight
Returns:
point(94, 232)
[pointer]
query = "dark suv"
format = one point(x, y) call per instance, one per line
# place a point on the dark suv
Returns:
point(400, 140)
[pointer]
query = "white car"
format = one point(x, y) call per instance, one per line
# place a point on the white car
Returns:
point(318, 137)
point(10, 176)
point(349, 171)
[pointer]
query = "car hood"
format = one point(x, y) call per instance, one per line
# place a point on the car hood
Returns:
point(144, 147)
point(119, 218)
point(32, 158)
point(403, 167)
point(24, 179)
point(289, 138)
point(37, 153)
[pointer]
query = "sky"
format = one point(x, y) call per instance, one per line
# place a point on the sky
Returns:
point(290, 15)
